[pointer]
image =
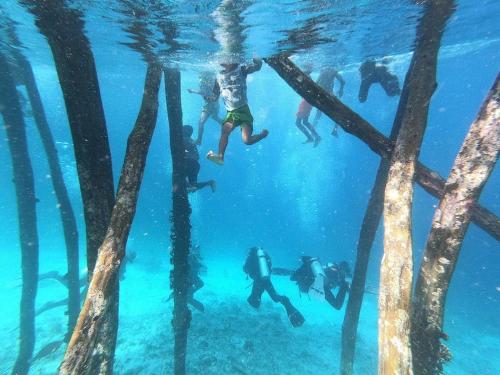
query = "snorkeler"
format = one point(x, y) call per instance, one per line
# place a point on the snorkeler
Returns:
point(302, 117)
point(231, 84)
point(318, 281)
point(326, 81)
point(258, 266)
point(191, 164)
point(210, 109)
point(372, 73)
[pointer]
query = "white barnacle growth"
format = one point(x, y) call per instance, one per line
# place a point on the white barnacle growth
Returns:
point(444, 260)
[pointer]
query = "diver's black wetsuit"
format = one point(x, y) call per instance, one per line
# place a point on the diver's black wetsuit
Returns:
point(372, 73)
point(262, 282)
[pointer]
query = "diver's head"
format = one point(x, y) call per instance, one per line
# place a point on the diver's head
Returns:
point(187, 131)
point(345, 269)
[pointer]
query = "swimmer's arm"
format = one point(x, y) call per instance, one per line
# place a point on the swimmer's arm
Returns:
point(253, 67)
point(215, 93)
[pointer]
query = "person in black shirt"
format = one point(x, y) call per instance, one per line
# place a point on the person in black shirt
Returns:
point(191, 164)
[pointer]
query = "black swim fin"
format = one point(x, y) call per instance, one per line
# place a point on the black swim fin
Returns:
point(294, 315)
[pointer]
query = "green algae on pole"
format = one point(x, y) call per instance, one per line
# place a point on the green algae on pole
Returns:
point(24, 184)
point(181, 227)
point(471, 169)
point(396, 272)
point(102, 293)
point(354, 124)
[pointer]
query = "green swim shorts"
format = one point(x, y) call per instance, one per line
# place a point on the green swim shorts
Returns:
point(239, 117)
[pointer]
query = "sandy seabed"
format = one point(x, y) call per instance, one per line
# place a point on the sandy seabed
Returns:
point(230, 337)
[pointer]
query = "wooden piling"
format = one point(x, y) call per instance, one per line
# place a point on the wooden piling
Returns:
point(24, 184)
point(101, 299)
point(471, 169)
point(396, 273)
point(181, 227)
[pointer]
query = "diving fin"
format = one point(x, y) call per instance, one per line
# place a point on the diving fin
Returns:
point(294, 315)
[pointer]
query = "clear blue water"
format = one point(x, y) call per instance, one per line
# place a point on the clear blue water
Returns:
point(290, 198)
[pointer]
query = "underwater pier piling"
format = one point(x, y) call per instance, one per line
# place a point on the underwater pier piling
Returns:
point(64, 29)
point(396, 272)
point(471, 169)
point(181, 227)
point(64, 204)
point(102, 295)
point(354, 124)
point(24, 184)
point(368, 231)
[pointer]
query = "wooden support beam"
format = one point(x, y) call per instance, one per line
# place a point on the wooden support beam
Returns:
point(24, 185)
point(396, 273)
point(181, 227)
point(99, 308)
point(473, 165)
point(354, 124)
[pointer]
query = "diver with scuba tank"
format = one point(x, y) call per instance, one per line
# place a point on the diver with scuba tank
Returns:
point(319, 282)
point(259, 267)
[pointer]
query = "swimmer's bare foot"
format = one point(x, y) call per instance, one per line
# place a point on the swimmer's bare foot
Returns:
point(316, 141)
point(213, 185)
point(308, 140)
point(216, 158)
point(264, 133)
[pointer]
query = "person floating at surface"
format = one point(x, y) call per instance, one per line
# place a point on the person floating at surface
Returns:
point(231, 84)
point(258, 266)
point(326, 80)
point(302, 117)
point(318, 282)
point(372, 73)
point(210, 109)
point(191, 164)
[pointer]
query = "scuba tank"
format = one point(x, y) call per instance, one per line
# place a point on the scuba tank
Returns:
point(317, 289)
point(310, 277)
point(257, 264)
point(262, 259)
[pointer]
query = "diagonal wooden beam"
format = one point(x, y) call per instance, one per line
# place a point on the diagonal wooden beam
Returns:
point(356, 125)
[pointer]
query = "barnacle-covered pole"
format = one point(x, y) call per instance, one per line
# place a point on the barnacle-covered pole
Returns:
point(396, 273)
point(24, 184)
point(473, 165)
point(367, 234)
point(64, 204)
point(354, 124)
point(101, 296)
point(181, 227)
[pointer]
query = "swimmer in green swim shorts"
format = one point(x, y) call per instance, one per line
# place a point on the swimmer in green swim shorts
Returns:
point(231, 85)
